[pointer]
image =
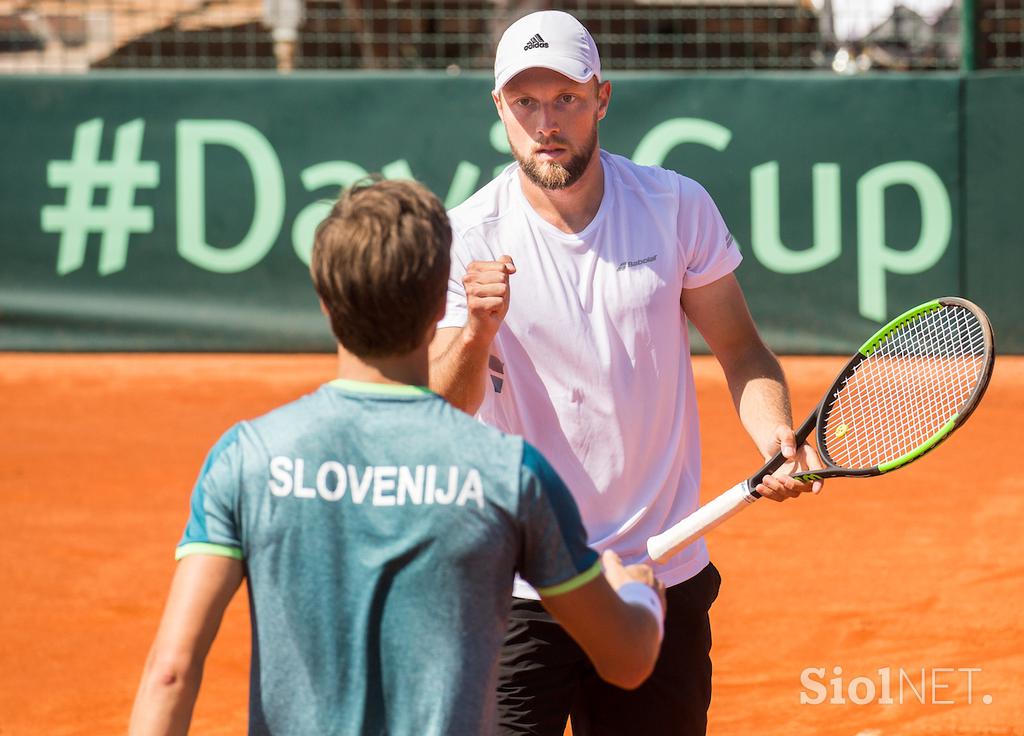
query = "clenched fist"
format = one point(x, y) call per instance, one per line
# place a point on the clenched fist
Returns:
point(487, 295)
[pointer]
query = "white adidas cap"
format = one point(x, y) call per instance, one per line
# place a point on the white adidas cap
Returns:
point(550, 39)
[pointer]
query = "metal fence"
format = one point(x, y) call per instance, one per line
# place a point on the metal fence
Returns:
point(1000, 33)
point(848, 36)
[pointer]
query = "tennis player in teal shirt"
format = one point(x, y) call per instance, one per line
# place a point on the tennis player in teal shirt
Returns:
point(379, 528)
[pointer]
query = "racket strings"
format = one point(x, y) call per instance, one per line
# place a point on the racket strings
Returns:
point(914, 382)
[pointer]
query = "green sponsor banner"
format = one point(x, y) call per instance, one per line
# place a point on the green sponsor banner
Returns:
point(994, 242)
point(842, 193)
point(176, 213)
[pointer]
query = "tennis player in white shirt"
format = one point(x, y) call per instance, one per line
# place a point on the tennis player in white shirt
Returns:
point(574, 273)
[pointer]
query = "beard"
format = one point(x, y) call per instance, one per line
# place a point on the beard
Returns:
point(551, 174)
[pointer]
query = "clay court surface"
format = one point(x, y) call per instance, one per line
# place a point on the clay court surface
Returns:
point(920, 570)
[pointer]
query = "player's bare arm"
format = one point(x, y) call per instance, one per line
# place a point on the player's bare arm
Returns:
point(458, 355)
point(621, 638)
point(758, 386)
point(200, 591)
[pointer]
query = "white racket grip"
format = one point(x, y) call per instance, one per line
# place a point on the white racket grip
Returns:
point(672, 541)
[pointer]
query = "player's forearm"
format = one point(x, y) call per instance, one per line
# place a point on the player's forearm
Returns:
point(621, 640)
point(166, 698)
point(761, 396)
point(620, 630)
point(631, 649)
point(459, 372)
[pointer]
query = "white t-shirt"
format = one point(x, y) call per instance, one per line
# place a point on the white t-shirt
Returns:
point(592, 362)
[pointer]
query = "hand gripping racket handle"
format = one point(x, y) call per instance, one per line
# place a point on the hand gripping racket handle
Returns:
point(701, 521)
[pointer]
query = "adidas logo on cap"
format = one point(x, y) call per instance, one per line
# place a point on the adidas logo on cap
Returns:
point(536, 43)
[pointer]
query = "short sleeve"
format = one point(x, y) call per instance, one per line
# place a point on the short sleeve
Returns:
point(212, 528)
point(455, 313)
point(555, 558)
point(707, 249)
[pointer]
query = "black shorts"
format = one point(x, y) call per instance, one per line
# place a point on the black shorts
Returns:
point(545, 677)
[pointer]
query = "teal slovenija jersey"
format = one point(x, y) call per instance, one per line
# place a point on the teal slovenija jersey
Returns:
point(380, 529)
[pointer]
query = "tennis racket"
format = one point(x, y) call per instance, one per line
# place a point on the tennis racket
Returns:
point(906, 390)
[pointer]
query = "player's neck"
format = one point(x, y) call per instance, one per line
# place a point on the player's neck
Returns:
point(411, 369)
point(573, 208)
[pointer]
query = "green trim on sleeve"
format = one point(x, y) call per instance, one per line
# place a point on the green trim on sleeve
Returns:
point(205, 548)
point(572, 583)
point(381, 389)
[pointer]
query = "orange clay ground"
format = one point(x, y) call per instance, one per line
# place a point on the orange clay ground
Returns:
point(923, 569)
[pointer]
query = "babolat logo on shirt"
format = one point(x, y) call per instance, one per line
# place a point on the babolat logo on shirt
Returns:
point(382, 485)
point(536, 43)
point(633, 264)
point(497, 369)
